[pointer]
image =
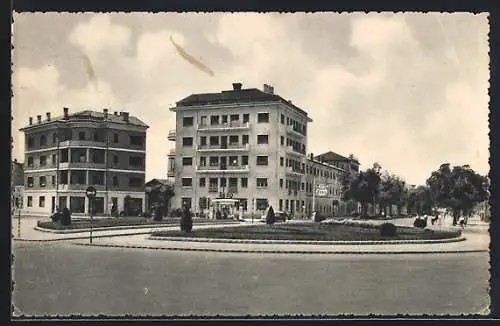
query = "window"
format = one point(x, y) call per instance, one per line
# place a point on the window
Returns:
point(262, 160)
point(223, 182)
point(115, 181)
point(281, 204)
point(246, 117)
point(281, 161)
point(54, 159)
point(261, 203)
point(282, 119)
point(30, 161)
point(77, 204)
point(214, 119)
point(244, 182)
point(135, 161)
point(135, 182)
point(261, 182)
point(30, 182)
point(203, 141)
point(187, 121)
point(41, 201)
point(203, 161)
point(186, 201)
point(234, 140)
point(281, 183)
point(97, 137)
point(234, 117)
point(53, 180)
point(244, 160)
point(214, 160)
point(30, 201)
point(187, 141)
point(214, 140)
point(203, 121)
point(115, 159)
point(244, 139)
point(43, 140)
point(302, 186)
point(187, 182)
point(81, 135)
point(136, 140)
point(282, 140)
point(43, 160)
point(187, 161)
point(262, 139)
point(115, 138)
point(54, 138)
point(31, 142)
point(224, 119)
point(263, 117)
point(202, 182)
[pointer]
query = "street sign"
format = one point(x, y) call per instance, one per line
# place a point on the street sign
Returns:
point(90, 192)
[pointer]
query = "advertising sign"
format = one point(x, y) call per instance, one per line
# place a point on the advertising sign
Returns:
point(321, 190)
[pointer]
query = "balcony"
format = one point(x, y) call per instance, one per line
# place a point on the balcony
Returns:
point(81, 165)
point(221, 148)
point(81, 143)
point(218, 169)
point(290, 150)
point(171, 135)
point(290, 130)
point(82, 187)
point(213, 189)
point(232, 190)
point(171, 174)
point(233, 125)
point(291, 171)
point(171, 153)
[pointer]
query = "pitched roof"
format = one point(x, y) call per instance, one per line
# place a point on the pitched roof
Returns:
point(332, 156)
point(234, 96)
point(159, 181)
point(92, 115)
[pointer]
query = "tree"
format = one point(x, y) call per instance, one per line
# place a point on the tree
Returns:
point(458, 189)
point(270, 217)
point(364, 188)
point(420, 201)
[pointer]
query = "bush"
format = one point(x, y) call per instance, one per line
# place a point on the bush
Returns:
point(146, 214)
point(65, 217)
point(420, 223)
point(186, 221)
point(270, 217)
point(158, 214)
point(318, 217)
point(388, 230)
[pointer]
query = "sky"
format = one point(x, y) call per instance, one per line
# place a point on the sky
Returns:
point(409, 91)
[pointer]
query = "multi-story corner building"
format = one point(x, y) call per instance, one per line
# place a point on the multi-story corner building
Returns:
point(244, 144)
point(64, 155)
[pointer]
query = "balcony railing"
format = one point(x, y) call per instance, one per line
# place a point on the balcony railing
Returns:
point(213, 189)
point(219, 169)
point(290, 170)
point(233, 190)
point(81, 165)
point(290, 150)
point(293, 131)
point(228, 147)
point(63, 187)
point(171, 152)
point(81, 143)
point(224, 126)
point(171, 135)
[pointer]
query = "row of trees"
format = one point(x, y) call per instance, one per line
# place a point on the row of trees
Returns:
point(456, 189)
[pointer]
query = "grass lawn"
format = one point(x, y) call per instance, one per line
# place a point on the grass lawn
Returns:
point(121, 221)
point(310, 231)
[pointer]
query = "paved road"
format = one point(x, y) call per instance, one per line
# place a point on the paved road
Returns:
point(61, 278)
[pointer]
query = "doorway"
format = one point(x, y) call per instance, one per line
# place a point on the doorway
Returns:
point(223, 142)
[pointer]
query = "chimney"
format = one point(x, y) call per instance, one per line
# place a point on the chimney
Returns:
point(39, 118)
point(311, 155)
point(65, 110)
point(31, 121)
point(237, 86)
point(115, 113)
point(268, 89)
point(48, 116)
point(125, 116)
point(105, 113)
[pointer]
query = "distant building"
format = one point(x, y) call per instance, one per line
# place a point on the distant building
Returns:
point(349, 163)
point(66, 154)
point(248, 147)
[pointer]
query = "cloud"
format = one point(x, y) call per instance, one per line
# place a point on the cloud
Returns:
point(384, 88)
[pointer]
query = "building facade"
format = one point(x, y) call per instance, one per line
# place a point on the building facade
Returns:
point(251, 146)
point(17, 184)
point(65, 155)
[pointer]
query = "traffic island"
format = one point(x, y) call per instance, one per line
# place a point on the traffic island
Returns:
point(310, 233)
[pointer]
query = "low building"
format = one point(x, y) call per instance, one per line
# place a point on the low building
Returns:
point(159, 193)
point(66, 154)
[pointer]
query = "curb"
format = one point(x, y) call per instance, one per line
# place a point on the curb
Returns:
point(121, 227)
point(80, 237)
point(308, 242)
point(285, 251)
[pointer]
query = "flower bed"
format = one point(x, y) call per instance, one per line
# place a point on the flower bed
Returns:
point(311, 232)
point(122, 221)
